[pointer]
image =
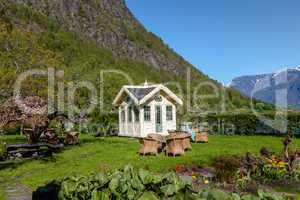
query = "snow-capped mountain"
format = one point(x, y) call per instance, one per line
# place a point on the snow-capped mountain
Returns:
point(281, 88)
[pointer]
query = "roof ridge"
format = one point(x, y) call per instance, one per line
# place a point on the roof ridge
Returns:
point(142, 86)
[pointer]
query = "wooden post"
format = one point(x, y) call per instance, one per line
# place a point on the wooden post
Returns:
point(21, 128)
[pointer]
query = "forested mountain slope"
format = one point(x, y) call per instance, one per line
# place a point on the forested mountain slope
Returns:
point(83, 38)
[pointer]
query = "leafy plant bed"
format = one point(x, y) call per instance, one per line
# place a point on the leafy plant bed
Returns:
point(205, 179)
point(249, 173)
point(141, 184)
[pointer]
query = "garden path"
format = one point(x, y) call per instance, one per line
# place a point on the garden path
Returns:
point(17, 191)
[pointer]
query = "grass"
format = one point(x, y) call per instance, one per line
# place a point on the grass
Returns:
point(97, 154)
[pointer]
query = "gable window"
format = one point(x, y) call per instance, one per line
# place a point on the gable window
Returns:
point(129, 112)
point(169, 113)
point(127, 99)
point(147, 113)
point(158, 99)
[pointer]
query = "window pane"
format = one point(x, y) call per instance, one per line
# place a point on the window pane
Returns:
point(136, 114)
point(147, 113)
point(169, 113)
point(129, 114)
point(123, 115)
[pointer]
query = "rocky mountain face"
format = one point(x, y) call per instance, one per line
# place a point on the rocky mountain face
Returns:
point(83, 37)
point(281, 88)
point(111, 25)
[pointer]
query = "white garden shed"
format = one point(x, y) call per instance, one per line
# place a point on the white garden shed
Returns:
point(146, 109)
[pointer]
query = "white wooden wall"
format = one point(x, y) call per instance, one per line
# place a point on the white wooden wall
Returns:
point(143, 128)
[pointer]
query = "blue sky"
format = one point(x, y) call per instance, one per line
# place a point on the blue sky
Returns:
point(226, 38)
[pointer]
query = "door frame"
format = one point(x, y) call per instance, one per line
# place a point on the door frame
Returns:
point(157, 128)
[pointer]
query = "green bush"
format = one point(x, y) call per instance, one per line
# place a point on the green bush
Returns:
point(249, 124)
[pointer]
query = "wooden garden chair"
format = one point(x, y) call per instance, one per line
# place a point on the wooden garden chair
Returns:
point(157, 137)
point(185, 139)
point(72, 138)
point(51, 137)
point(201, 136)
point(186, 143)
point(149, 146)
point(160, 139)
point(174, 146)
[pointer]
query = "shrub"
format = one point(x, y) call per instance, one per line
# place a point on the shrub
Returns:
point(226, 167)
point(248, 123)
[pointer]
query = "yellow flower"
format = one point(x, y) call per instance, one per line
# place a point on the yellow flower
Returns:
point(194, 177)
point(281, 164)
point(206, 181)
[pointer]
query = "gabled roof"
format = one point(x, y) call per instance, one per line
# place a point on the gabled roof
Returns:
point(141, 94)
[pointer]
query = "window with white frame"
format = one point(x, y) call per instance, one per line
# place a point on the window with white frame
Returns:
point(169, 113)
point(147, 113)
point(129, 112)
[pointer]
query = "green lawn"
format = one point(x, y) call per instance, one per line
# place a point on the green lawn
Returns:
point(115, 152)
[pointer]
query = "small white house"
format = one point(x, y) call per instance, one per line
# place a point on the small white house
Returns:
point(146, 109)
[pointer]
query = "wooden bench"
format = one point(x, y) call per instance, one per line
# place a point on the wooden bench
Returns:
point(28, 150)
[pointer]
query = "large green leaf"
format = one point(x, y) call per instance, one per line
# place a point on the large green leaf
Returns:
point(100, 195)
point(249, 197)
point(268, 196)
point(114, 184)
point(215, 194)
point(169, 190)
point(131, 194)
point(68, 187)
point(156, 179)
point(235, 196)
point(128, 171)
point(190, 196)
point(145, 176)
point(136, 183)
point(99, 180)
point(148, 196)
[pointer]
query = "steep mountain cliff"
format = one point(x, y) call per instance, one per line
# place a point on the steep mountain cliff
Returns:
point(112, 26)
point(85, 37)
point(281, 88)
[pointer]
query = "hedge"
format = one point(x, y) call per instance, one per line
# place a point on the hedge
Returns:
point(251, 124)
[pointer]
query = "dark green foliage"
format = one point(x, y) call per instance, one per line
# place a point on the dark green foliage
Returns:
point(122, 184)
point(131, 184)
point(250, 124)
point(28, 15)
